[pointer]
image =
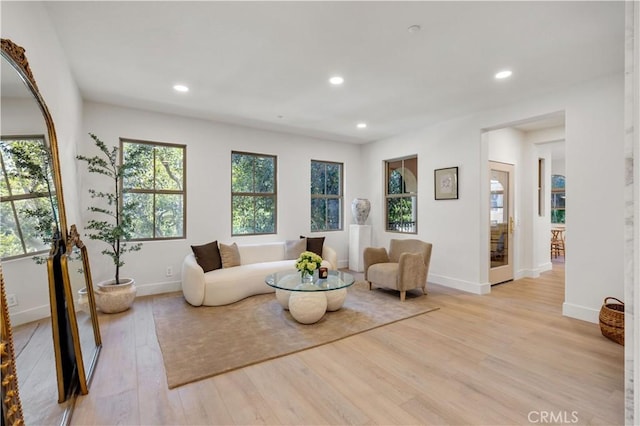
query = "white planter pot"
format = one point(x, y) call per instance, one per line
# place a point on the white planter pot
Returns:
point(112, 298)
point(83, 301)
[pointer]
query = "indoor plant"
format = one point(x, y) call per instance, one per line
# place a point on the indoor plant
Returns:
point(307, 263)
point(113, 226)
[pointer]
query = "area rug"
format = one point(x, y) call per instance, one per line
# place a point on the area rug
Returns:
point(201, 342)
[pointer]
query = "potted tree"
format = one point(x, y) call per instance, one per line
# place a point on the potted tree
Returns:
point(114, 223)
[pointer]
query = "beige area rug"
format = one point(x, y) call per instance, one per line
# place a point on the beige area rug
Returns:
point(200, 342)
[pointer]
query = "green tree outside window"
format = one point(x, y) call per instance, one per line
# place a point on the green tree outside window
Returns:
point(326, 196)
point(158, 190)
point(401, 194)
point(27, 210)
point(253, 193)
point(558, 196)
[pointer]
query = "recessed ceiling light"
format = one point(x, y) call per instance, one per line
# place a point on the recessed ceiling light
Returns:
point(180, 88)
point(414, 28)
point(336, 80)
point(361, 125)
point(503, 74)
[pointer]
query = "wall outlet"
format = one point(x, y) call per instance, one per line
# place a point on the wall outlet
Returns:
point(169, 271)
point(12, 300)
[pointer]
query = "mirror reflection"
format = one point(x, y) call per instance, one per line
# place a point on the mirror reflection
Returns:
point(56, 345)
point(80, 290)
point(27, 213)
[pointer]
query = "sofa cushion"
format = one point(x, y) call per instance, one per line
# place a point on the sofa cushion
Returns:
point(208, 256)
point(294, 248)
point(314, 244)
point(258, 253)
point(230, 255)
point(384, 274)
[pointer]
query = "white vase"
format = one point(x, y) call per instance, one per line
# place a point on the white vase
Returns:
point(112, 298)
point(360, 207)
point(83, 301)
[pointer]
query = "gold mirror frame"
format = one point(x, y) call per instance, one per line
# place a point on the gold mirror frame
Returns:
point(11, 406)
point(70, 368)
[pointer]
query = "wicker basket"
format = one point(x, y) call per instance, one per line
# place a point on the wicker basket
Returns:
point(612, 320)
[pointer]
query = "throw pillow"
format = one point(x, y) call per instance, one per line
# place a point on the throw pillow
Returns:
point(314, 244)
point(230, 255)
point(208, 256)
point(294, 248)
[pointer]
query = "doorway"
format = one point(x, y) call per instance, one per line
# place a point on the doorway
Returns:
point(501, 222)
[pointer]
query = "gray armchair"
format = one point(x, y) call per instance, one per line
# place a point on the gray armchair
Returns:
point(403, 268)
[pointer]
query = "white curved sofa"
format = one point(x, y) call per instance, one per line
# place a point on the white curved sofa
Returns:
point(228, 285)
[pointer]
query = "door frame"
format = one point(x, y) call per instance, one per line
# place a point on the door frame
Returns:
point(503, 273)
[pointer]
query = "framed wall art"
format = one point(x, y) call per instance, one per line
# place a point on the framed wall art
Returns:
point(446, 183)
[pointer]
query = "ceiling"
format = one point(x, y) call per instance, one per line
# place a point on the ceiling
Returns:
point(267, 64)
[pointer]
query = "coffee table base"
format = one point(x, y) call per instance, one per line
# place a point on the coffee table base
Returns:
point(335, 299)
point(307, 307)
point(283, 297)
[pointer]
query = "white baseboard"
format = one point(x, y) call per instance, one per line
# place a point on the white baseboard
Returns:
point(343, 264)
point(533, 273)
point(470, 287)
point(581, 312)
point(158, 288)
point(545, 267)
point(28, 315)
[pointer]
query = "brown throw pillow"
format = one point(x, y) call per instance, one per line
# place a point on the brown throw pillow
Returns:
point(294, 248)
point(208, 256)
point(230, 255)
point(314, 244)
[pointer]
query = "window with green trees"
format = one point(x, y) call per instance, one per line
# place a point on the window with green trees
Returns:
point(326, 196)
point(253, 193)
point(158, 189)
point(27, 194)
point(401, 194)
point(558, 196)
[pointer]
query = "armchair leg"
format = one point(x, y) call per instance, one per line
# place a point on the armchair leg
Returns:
point(369, 284)
point(402, 295)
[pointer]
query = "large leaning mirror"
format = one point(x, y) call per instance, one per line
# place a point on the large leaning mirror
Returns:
point(51, 341)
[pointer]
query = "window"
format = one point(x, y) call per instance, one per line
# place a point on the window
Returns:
point(326, 196)
point(157, 186)
point(27, 196)
point(540, 187)
point(558, 196)
point(402, 195)
point(253, 193)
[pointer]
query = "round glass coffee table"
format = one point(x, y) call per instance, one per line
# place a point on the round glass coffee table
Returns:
point(308, 302)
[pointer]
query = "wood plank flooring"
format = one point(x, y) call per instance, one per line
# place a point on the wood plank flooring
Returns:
point(500, 359)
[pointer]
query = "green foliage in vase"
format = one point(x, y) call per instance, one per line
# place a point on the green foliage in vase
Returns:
point(307, 263)
point(116, 215)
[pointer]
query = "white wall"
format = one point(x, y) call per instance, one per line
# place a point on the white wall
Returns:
point(594, 152)
point(594, 170)
point(548, 144)
point(209, 147)
point(27, 24)
point(595, 198)
point(507, 145)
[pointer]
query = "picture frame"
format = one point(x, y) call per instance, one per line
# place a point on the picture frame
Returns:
point(445, 183)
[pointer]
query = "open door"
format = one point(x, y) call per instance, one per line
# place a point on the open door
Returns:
point(502, 224)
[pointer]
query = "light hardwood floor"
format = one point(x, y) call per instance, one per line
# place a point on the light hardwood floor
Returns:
point(500, 359)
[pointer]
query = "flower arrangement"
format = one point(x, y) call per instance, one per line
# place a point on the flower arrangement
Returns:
point(307, 263)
